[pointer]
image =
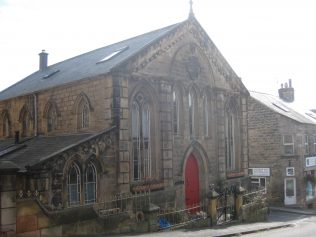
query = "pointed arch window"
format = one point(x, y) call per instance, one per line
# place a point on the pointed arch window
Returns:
point(191, 113)
point(74, 185)
point(6, 126)
point(206, 116)
point(141, 138)
point(51, 119)
point(230, 142)
point(83, 114)
point(90, 183)
point(26, 124)
point(175, 104)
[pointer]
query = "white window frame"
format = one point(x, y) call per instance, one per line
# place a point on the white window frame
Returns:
point(288, 144)
point(77, 185)
point(94, 183)
point(290, 171)
point(257, 180)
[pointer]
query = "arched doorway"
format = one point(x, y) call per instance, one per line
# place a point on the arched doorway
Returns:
point(192, 182)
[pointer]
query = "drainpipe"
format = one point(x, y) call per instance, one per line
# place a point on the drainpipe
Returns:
point(35, 114)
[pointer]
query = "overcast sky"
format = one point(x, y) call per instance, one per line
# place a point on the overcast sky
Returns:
point(266, 42)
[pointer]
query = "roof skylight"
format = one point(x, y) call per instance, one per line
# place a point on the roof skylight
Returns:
point(281, 106)
point(312, 115)
point(50, 74)
point(113, 54)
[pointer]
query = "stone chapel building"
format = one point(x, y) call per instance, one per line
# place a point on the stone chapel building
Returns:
point(162, 111)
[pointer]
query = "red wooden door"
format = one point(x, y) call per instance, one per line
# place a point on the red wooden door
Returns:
point(192, 184)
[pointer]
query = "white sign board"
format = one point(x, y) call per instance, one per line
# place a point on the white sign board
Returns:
point(259, 172)
point(310, 161)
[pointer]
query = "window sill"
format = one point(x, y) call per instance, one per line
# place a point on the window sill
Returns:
point(143, 186)
point(234, 174)
point(294, 156)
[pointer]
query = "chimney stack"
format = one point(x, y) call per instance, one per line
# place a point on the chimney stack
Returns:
point(43, 60)
point(286, 92)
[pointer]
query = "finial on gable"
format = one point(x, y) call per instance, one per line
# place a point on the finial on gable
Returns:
point(191, 14)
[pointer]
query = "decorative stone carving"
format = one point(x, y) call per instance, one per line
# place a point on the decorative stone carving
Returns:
point(193, 67)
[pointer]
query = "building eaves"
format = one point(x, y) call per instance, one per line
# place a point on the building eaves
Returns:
point(41, 148)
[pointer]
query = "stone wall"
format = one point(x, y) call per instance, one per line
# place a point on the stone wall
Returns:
point(98, 92)
point(266, 129)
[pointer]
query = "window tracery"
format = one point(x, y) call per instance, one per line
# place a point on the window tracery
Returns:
point(90, 183)
point(74, 185)
point(141, 138)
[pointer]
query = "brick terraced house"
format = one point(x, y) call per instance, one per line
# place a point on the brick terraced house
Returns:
point(282, 148)
point(161, 112)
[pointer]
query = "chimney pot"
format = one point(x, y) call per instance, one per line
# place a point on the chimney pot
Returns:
point(286, 92)
point(290, 83)
point(43, 58)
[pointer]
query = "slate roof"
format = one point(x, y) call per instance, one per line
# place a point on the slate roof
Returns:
point(85, 65)
point(289, 110)
point(38, 149)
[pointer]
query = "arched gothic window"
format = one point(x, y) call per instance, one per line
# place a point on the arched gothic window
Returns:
point(74, 185)
point(175, 120)
point(191, 113)
point(232, 135)
point(6, 126)
point(230, 142)
point(141, 138)
point(90, 183)
point(51, 119)
point(26, 123)
point(206, 116)
point(83, 114)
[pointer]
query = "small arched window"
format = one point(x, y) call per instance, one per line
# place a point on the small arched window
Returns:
point(51, 119)
point(74, 185)
point(6, 126)
point(83, 114)
point(141, 138)
point(90, 183)
point(26, 124)
point(175, 104)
